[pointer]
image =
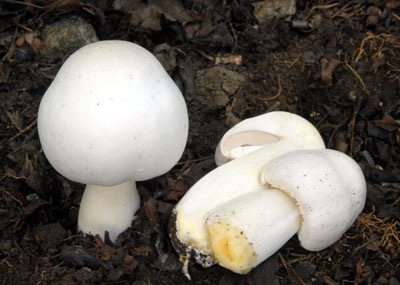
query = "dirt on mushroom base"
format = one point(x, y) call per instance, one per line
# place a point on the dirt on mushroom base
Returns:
point(343, 75)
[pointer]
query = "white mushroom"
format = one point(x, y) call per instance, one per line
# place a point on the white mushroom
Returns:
point(240, 176)
point(112, 116)
point(316, 193)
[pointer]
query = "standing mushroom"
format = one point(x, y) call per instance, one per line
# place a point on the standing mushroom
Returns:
point(259, 139)
point(112, 116)
point(317, 194)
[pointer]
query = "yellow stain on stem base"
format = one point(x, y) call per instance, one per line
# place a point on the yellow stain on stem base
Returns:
point(231, 247)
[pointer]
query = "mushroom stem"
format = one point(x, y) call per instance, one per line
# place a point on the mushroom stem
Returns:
point(247, 230)
point(108, 209)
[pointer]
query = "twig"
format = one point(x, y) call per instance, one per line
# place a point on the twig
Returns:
point(335, 130)
point(4, 260)
point(195, 160)
point(343, 9)
point(287, 264)
point(272, 97)
point(396, 16)
point(27, 138)
point(12, 197)
point(327, 114)
point(24, 130)
point(357, 107)
point(142, 234)
point(59, 264)
point(361, 49)
point(368, 158)
point(294, 62)
point(234, 36)
point(363, 87)
point(273, 107)
point(343, 13)
point(25, 3)
point(206, 55)
point(11, 176)
point(71, 237)
point(12, 46)
point(321, 7)
point(18, 24)
point(364, 245)
point(55, 256)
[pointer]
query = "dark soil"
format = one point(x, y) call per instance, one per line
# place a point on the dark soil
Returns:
point(342, 73)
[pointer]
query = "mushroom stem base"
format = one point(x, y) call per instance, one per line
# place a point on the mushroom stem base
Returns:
point(108, 209)
point(250, 228)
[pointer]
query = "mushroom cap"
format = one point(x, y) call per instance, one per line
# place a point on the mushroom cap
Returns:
point(269, 128)
point(112, 114)
point(328, 187)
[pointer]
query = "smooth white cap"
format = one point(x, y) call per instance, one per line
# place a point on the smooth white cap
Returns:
point(270, 128)
point(328, 187)
point(112, 114)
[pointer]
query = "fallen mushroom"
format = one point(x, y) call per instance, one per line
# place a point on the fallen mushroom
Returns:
point(112, 116)
point(254, 142)
point(317, 194)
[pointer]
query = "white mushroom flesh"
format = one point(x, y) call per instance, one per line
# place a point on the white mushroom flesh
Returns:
point(108, 209)
point(250, 228)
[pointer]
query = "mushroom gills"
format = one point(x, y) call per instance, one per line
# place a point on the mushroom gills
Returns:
point(243, 143)
point(247, 230)
point(264, 131)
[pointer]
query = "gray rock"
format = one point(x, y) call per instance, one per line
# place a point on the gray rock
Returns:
point(215, 85)
point(67, 35)
point(50, 236)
